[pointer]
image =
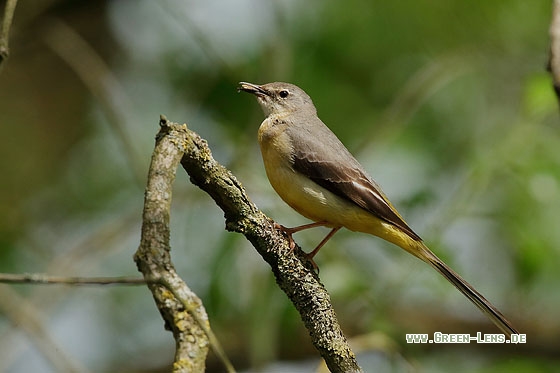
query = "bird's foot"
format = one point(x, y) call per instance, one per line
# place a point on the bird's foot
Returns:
point(288, 232)
point(292, 244)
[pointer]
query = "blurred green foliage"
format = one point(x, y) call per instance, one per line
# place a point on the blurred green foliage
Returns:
point(446, 103)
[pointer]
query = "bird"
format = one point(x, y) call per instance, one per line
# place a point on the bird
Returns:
point(316, 175)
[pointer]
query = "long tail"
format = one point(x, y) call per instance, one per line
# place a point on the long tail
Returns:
point(464, 287)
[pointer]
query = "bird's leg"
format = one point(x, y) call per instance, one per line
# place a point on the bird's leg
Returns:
point(316, 250)
point(292, 243)
point(290, 231)
point(324, 241)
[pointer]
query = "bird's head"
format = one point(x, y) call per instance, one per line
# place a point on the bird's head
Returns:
point(280, 98)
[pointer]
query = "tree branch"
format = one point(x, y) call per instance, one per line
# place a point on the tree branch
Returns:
point(9, 10)
point(294, 273)
point(554, 56)
point(181, 309)
point(36, 278)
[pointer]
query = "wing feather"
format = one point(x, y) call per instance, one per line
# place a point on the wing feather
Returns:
point(342, 175)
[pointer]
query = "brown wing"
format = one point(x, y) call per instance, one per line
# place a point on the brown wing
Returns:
point(341, 174)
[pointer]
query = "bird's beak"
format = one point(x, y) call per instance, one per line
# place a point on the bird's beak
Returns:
point(257, 90)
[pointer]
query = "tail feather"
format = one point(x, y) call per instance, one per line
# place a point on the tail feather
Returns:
point(467, 289)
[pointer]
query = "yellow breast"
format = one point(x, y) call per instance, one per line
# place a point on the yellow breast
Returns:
point(299, 192)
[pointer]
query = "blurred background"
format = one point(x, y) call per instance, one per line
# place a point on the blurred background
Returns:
point(446, 103)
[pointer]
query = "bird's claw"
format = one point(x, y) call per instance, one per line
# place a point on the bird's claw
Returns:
point(288, 232)
point(292, 244)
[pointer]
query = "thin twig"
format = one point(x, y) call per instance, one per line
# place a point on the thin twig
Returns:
point(37, 278)
point(554, 57)
point(9, 10)
point(84, 256)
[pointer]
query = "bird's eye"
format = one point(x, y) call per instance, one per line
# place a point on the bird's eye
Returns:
point(284, 94)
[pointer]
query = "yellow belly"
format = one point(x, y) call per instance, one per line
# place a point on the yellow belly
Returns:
point(304, 195)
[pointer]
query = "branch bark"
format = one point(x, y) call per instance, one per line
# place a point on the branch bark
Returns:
point(37, 278)
point(180, 308)
point(294, 273)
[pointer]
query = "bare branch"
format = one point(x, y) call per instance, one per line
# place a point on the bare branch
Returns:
point(181, 309)
point(554, 57)
point(9, 10)
point(84, 255)
point(37, 278)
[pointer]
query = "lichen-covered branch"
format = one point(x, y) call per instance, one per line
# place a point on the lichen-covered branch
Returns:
point(294, 274)
point(185, 317)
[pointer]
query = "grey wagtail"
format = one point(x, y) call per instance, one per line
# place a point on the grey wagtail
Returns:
point(316, 175)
